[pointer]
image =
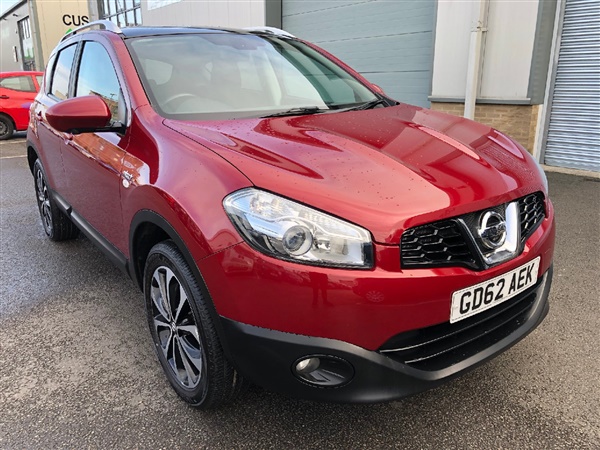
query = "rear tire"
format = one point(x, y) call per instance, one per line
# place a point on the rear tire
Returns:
point(184, 335)
point(57, 225)
point(6, 128)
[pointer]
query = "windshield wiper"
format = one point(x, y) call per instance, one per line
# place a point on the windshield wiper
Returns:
point(306, 110)
point(369, 105)
point(301, 111)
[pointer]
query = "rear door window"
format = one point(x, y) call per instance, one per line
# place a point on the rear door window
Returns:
point(18, 83)
point(62, 71)
point(48, 73)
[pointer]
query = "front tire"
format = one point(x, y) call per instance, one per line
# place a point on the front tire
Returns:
point(185, 339)
point(56, 224)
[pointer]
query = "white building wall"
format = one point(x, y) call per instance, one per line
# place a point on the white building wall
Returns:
point(451, 49)
point(508, 49)
point(222, 13)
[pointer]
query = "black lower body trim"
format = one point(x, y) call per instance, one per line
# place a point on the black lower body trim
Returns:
point(267, 358)
point(442, 345)
point(111, 252)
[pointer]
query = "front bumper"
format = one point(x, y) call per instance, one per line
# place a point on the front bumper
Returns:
point(362, 307)
point(268, 357)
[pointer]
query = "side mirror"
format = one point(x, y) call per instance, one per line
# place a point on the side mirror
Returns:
point(80, 115)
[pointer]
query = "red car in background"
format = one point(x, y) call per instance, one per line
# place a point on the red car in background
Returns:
point(17, 91)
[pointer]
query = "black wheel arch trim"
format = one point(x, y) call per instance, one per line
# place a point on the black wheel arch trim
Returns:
point(149, 216)
point(127, 265)
point(31, 160)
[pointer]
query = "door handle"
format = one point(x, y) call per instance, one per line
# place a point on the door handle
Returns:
point(4, 97)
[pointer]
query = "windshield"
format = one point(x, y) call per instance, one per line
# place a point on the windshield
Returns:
point(227, 76)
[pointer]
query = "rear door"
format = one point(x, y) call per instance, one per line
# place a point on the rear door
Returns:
point(93, 161)
point(58, 78)
point(16, 95)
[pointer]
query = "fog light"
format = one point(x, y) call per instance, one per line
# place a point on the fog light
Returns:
point(324, 371)
point(308, 365)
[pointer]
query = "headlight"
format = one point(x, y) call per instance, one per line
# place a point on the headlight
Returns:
point(288, 230)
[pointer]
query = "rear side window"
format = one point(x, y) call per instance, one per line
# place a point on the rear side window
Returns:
point(97, 76)
point(48, 73)
point(62, 70)
point(18, 83)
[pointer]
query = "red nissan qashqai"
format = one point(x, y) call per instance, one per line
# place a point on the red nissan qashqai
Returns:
point(288, 223)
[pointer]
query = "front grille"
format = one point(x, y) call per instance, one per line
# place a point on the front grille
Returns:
point(439, 243)
point(531, 208)
point(441, 346)
point(451, 242)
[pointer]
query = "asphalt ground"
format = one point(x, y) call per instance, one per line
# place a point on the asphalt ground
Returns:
point(77, 368)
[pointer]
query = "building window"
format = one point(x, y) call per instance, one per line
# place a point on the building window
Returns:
point(122, 12)
point(26, 42)
point(24, 28)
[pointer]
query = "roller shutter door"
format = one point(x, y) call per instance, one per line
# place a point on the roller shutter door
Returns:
point(573, 138)
point(389, 42)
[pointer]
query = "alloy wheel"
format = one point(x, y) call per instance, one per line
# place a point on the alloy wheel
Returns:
point(43, 199)
point(176, 328)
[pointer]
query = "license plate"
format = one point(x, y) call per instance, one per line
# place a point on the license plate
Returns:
point(475, 299)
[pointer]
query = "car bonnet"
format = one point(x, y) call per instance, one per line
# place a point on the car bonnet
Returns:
point(386, 169)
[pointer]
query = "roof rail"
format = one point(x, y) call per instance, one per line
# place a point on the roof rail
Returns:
point(269, 30)
point(101, 24)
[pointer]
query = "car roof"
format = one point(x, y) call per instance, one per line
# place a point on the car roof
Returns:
point(20, 72)
point(131, 32)
point(157, 31)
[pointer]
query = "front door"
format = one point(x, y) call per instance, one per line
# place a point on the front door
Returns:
point(93, 161)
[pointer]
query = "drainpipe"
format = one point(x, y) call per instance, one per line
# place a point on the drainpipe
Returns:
point(475, 58)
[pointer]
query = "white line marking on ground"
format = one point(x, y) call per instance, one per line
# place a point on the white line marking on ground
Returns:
point(13, 157)
point(21, 141)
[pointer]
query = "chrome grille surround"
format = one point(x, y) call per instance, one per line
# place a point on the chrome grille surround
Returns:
point(455, 241)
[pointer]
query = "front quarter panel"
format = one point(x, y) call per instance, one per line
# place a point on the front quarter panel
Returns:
point(182, 182)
